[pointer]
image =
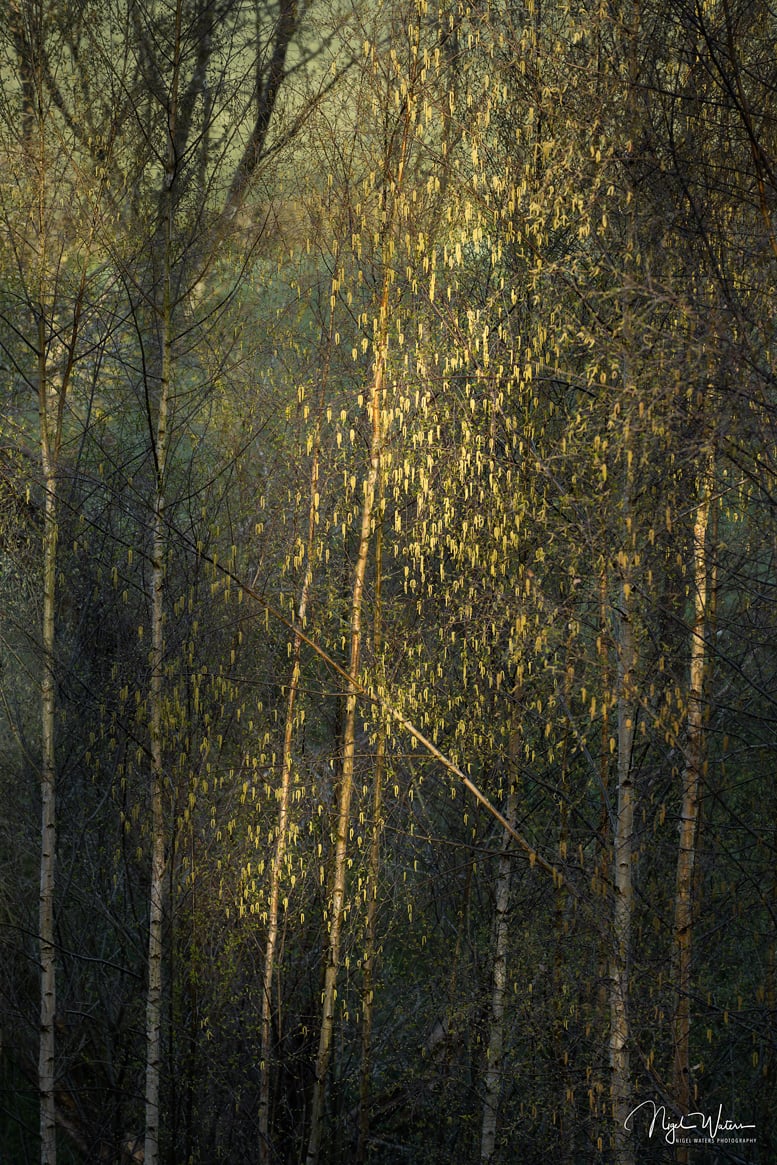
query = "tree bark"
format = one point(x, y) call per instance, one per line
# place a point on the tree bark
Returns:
point(689, 813)
point(158, 858)
point(156, 694)
point(46, 1061)
point(284, 792)
point(623, 902)
point(370, 938)
point(623, 887)
point(337, 906)
point(623, 843)
point(394, 185)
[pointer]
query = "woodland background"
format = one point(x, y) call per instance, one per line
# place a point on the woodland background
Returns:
point(387, 579)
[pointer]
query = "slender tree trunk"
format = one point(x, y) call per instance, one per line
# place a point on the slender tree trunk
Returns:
point(156, 889)
point(623, 888)
point(284, 801)
point(46, 1064)
point(49, 438)
point(689, 814)
point(370, 943)
point(394, 185)
point(493, 1080)
point(602, 850)
point(560, 1000)
point(52, 394)
point(623, 905)
point(337, 906)
point(156, 695)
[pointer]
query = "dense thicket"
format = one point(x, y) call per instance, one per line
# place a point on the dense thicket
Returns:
point(387, 553)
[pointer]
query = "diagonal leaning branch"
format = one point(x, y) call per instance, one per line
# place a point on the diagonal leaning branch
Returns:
point(393, 713)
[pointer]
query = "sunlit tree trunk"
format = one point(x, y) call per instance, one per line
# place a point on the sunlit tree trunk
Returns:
point(284, 793)
point(373, 873)
point(394, 164)
point(340, 866)
point(689, 813)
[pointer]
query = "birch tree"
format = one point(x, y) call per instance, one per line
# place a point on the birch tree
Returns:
point(52, 216)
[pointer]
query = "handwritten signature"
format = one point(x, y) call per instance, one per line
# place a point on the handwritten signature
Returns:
point(710, 1126)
